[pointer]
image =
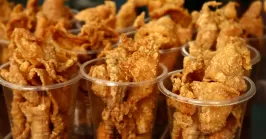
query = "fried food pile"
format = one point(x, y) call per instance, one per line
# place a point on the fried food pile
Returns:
point(37, 19)
point(251, 21)
point(173, 8)
point(128, 112)
point(166, 33)
point(215, 26)
point(94, 35)
point(107, 13)
point(221, 79)
point(39, 114)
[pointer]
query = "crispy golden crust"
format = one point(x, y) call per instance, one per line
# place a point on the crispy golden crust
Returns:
point(126, 15)
point(163, 30)
point(55, 10)
point(131, 109)
point(41, 114)
point(251, 21)
point(105, 12)
point(5, 11)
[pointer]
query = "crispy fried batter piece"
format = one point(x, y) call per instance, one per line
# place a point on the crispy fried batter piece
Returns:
point(55, 10)
point(207, 27)
point(98, 34)
point(105, 12)
point(93, 36)
point(126, 15)
point(130, 61)
point(180, 122)
point(212, 119)
point(214, 28)
point(173, 8)
point(229, 64)
point(163, 30)
point(251, 21)
point(39, 114)
point(227, 132)
point(5, 11)
point(140, 21)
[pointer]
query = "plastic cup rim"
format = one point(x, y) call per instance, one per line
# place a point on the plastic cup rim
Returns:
point(111, 83)
point(237, 100)
point(254, 60)
point(37, 88)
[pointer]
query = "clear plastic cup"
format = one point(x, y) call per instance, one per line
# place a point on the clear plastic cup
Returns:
point(82, 124)
point(40, 112)
point(131, 104)
point(254, 53)
point(194, 118)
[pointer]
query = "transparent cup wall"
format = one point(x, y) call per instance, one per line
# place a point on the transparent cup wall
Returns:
point(119, 107)
point(41, 111)
point(191, 118)
point(4, 123)
point(82, 125)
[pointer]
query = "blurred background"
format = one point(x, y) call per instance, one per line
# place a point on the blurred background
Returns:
point(254, 126)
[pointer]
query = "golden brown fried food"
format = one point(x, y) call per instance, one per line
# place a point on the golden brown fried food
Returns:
point(180, 122)
point(212, 119)
point(229, 10)
point(98, 34)
point(41, 26)
point(214, 28)
point(130, 61)
point(20, 20)
point(126, 15)
point(55, 10)
point(23, 18)
point(105, 12)
point(228, 28)
point(162, 30)
point(5, 11)
point(229, 64)
point(93, 36)
point(228, 132)
point(41, 114)
point(141, 3)
point(140, 21)
point(173, 8)
point(251, 21)
point(193, 70)
point(207, 27)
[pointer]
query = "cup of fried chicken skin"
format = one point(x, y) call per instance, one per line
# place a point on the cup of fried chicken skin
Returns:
point(122, 89)
point(40, 84)
point(207, 110)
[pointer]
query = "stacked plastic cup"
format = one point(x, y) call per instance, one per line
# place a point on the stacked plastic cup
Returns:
point(197, 118)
